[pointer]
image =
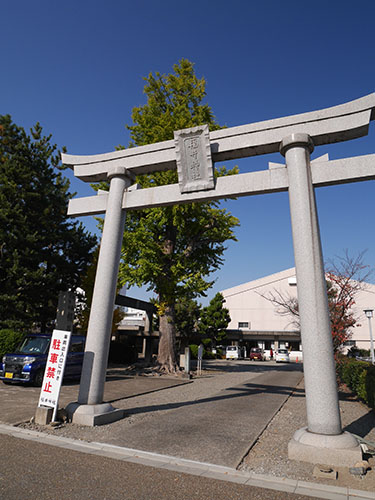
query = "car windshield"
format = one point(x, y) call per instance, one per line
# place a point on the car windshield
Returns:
point(232, 348)
point(34, 345)
point(283, 351)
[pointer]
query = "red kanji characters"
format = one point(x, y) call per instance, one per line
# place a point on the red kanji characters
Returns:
point(53, 358)
point(47, 387)
point(56, 344)
point(50, 372)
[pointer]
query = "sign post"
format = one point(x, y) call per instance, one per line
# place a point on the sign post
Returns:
point(53, 375)
point(200, 356)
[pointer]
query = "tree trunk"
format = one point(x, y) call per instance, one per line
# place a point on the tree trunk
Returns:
point(167, 342)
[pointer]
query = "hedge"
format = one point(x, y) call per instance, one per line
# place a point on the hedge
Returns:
point(206, 354)
point(9, 339)
point(360, 377)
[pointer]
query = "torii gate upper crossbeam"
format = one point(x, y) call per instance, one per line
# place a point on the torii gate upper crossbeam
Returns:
point(335, 124)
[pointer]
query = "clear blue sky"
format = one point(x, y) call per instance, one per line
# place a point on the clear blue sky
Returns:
point(77, 68)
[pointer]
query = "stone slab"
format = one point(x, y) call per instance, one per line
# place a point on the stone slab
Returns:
point(337, 457)
point(94, 418)
point(193, 157)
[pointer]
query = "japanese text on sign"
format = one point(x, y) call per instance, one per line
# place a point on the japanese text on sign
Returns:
point(53, 375)
point(193, 158)
point(192, 151)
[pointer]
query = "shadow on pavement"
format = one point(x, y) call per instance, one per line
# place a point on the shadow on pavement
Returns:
point(245, 390)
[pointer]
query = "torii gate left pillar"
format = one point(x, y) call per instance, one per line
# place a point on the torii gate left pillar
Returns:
point(90, 408)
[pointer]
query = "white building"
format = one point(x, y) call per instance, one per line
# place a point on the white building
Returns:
point(255, 320)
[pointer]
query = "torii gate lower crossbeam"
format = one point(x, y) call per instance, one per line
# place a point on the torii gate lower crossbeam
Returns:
point(323, 440)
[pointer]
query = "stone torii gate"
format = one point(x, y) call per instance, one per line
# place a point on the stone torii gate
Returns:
point(193, 151)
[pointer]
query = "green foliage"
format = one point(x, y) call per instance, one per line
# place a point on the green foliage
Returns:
point(360, 377)
point(85, 299)
point(41, 251)
point(9, 339)
point(194, 352)
point(174, 102)
point(214, 320)
point(173, 249)
point(187, 312)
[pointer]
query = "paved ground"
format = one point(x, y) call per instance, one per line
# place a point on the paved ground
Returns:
point(18, 402)
point(217, 421)
point(204, 414)
point(29, 469)
point(217, 429)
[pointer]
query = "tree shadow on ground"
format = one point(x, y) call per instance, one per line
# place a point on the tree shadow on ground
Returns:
point(241, 391)
point(363, 425)
point(244, 366)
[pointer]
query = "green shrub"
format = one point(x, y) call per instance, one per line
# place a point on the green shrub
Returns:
point(206, 354)
point(9, 339)
point(359, 376)
point(193, 351)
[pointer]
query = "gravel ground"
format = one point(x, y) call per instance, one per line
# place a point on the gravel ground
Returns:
point(269, 454)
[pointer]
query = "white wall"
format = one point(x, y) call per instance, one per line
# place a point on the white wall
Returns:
point(247, 303)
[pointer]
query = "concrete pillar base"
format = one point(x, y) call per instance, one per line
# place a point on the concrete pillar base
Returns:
point(341, 450)
point(43, 415)
point(91, 415)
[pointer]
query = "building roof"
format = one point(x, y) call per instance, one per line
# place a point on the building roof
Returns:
point(260, 282)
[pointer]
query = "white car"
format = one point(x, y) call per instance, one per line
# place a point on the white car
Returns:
point(233, 352)
point(282, 356)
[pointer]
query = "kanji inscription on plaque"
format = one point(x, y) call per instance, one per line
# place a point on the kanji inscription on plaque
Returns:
point(193, 156)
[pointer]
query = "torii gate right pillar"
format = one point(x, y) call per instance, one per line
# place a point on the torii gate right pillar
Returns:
point(322, 441)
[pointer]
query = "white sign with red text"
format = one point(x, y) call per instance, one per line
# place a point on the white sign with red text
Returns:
point(58, 352)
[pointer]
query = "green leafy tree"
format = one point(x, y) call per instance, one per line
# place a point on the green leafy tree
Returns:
point(173, 249)
point(214, 320)
point(83, 307)
point(187, 313)
point(41, 251)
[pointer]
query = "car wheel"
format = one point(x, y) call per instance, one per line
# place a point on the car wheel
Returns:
point(38, 379)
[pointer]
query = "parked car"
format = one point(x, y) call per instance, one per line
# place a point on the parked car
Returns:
point(282, 356)
point(233, 352)
point(256, 353)
point(28, 362)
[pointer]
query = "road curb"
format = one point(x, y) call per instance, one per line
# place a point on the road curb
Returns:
point(222, 473)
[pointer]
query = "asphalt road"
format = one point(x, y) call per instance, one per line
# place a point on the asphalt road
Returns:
point(29, 469)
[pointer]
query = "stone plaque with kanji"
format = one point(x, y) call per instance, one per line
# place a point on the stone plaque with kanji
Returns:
point(193, 156)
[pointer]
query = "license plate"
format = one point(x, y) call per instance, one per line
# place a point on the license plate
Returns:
point(8, 375)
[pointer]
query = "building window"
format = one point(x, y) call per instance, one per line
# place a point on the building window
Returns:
point(243, 324)
point(349, 343)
